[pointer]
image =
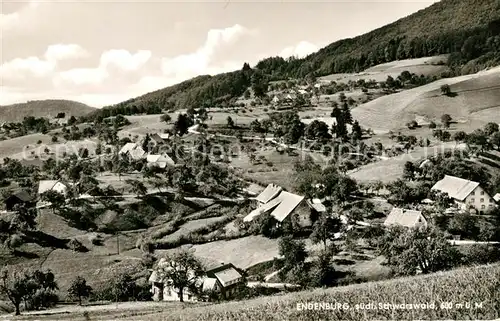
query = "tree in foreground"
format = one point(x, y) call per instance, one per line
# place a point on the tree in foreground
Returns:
point(424, 250)
point(79, 289)
point(183, 270)
point(294, 255)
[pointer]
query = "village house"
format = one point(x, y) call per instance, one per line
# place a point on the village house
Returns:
point(133, 151)
point(160, 161)
point(219, 277)
point(284, 205)
point(52, 185)
point(406, 218)
point(19, 198)
point(466, 194)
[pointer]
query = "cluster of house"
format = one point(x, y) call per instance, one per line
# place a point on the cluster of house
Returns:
point(289, 98)
point(217, 277)
point(134, 151)
point(467, 196)
point(22, 197)
point(223, 278)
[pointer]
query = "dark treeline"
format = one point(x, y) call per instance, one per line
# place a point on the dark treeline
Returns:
point(468, 30)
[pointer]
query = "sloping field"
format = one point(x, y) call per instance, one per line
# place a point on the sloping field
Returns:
point(191, 226)
point(144, 124)
point(476, 97)
point(17, 145)
point(428, 66)
point(391, 169)
point(243, 252)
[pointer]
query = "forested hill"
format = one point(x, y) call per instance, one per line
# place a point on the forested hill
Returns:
point(469, 30)
point(43, 108)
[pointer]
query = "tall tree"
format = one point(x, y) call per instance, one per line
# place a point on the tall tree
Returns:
point(79, 289)
point(183, 270)
point(325, 228)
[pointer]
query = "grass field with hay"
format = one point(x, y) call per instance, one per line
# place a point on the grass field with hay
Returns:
point(427, 66)
point(474, 100)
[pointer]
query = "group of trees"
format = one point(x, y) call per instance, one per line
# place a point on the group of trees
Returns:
point(36, 289)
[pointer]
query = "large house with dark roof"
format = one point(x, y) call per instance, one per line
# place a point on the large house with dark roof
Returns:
point(19, 198)
point(284, 205)
point(466, 194)
point(219, 277)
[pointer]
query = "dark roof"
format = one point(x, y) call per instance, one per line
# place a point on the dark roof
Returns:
point(23, 196)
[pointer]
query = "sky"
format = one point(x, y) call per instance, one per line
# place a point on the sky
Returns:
point(105, 52)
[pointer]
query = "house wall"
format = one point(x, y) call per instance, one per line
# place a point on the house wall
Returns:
point(302, 214)
point(479, 200)
point(60, 187)
point(170, 294)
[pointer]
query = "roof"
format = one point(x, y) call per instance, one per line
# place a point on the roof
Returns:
point(160, 160)
point(269, 193)
point(137, 153)
point(47, 185)
point(23, 196)
point(262, 209)
point(457, 188)
point(403, 217)
point(157, 138)
point(316, 205)
point(127, 148)
point(227, 275)
point(288, 203)
point(164, 135)
point(209, 284)
point(425, 163)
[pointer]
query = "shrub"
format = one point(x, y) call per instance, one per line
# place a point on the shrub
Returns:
point(76, 245)
point(482, 254)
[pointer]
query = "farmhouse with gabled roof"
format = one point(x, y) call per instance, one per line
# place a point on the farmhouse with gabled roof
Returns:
point(467, 194)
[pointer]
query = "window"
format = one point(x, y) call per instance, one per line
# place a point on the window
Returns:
point(482, 192)
point(482, 200)
point(472, 200)
point(483, 207)
point(472, 193)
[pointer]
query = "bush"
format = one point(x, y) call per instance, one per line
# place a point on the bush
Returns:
point(482, 254)
point(76, 246)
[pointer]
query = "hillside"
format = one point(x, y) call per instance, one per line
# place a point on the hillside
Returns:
point(456, 287)
point(47, 108)
point(475, 98)
point(467, 29)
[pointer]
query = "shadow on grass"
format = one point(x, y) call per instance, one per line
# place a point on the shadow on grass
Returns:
point(26, 255)
point(46, 240)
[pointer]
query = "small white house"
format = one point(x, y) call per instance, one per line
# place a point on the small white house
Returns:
point(466, 194)
point(161, 161)
point(51, 185)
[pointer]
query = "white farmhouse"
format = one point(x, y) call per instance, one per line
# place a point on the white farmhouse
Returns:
point(466, 194)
